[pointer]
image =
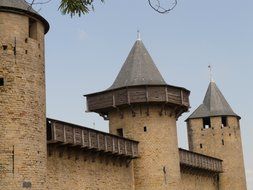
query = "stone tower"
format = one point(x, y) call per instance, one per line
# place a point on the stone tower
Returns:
point(141, 106)
point(214, 130)
point(22, 97)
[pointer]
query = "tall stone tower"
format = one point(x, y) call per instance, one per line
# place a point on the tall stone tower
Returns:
point(141, 106)
point(22, 97)
point(214, 130)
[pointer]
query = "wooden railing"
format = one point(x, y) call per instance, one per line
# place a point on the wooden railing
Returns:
point(102, 101)
point(86, 138)
point(199, 161)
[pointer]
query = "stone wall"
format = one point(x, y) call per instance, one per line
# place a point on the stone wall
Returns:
point(22, 104)
point(155, 129)
point(197, 181)
point(223, 142)
point(67, 172)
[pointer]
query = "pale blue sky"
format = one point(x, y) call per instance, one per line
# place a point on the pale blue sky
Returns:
point(84, 55)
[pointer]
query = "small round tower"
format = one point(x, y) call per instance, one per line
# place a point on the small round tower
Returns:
point(22, 97)
point(214, 130)
point(141, 106)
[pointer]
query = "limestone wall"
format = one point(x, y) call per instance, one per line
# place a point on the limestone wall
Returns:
point(66, 172)
point(155, 129)
point(22, 104)
point(190, 181)
point(223, 143)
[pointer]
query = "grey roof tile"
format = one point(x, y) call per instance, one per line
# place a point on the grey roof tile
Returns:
point(214, 104)
point(138, 69)
point(18, 4)
point(21, 6)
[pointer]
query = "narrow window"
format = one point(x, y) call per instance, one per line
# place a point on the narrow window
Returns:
point(222, 142)
point(224, 121)
point(201, 146)
point(32, 28)
point(145, 129)
point(1, 81)
point(5, 47)
point(206, 122)
point(120, 132)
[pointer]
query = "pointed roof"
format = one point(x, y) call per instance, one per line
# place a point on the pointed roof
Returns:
point(22, 7)
point(138, 69)
point(214, 104)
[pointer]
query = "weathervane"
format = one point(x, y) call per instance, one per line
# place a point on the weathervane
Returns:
point(211, 73)
point(138, 35)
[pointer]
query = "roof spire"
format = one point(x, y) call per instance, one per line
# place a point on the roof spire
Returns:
point(138, 69)
point(214, 104)
point(138, 35)
point(211, 73)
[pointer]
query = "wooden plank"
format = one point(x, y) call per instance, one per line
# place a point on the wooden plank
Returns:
point(74, 135)
point(106, 148)
point(89, 139)
point(64, 134)
point(54, 131)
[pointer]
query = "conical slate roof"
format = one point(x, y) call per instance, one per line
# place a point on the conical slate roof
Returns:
point(22, 7)
point(138, 69)
point(214, 104)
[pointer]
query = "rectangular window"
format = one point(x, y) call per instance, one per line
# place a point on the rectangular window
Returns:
point(32, 28)
point(224, 121)
point(120, 132)
point(1, 81)
point(206, 123)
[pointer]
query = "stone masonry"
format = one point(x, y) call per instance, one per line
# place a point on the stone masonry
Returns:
point(222, 142)
point(37, 153)
point(22, 115)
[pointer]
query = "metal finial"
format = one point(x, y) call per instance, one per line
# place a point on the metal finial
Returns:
point(138, 35)
point(211, 73)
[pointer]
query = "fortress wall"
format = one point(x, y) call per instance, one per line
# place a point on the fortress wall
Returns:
point(69, 173)
point(223, 143)
point(198, 182)
point(22, 104)
point(158, 164)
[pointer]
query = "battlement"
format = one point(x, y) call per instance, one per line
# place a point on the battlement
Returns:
point(193, 160)
point(67, 134)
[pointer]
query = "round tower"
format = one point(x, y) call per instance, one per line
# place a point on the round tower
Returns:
point(22, 97)
point(141, 106)
point(214, 130)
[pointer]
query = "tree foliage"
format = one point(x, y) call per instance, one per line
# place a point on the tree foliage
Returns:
point(76, 7)
point(83, 7)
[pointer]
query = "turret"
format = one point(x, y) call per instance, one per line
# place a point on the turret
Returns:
point(214, 130)
point(141, 106)
point(22, 97)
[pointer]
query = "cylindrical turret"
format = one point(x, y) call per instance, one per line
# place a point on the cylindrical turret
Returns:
point(142, 107)
point(22, 97)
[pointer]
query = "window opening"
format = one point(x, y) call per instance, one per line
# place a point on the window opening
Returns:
point(145, 129)
point(1, 81)
point(224, 121)
point(120, 132)
point(5, 47)
point(206, 123)
point(201, 146)
point(222, 142)
point(32, 28)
